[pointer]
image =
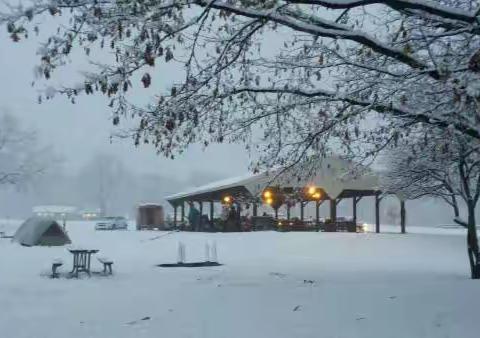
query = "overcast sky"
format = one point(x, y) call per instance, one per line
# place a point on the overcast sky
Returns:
point(78, 131)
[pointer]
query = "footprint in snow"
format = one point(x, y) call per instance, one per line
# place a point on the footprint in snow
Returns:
point(136, 321)
point(278, 274)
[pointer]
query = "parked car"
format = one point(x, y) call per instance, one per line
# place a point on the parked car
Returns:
point(112, 223)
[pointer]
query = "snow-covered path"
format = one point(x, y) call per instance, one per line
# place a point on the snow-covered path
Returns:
point(272, 285)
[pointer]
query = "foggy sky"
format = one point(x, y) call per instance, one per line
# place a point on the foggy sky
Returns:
point(79, 130)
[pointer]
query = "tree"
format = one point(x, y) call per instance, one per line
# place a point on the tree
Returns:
point(352, 76)
point(442, 166)
point(383, 57)
point(418, 170)
point(21, 159)
point(101, 179)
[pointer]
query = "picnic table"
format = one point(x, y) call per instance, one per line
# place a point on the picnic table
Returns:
point(81, 260)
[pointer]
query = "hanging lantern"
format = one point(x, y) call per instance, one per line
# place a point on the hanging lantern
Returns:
point(227, 200)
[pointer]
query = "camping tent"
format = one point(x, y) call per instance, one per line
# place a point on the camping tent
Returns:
point(41, 231)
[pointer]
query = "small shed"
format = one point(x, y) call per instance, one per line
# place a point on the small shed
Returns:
point(150, 216)
point(41, 231)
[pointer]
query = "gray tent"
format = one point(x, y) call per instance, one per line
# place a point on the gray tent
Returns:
point(41, 231)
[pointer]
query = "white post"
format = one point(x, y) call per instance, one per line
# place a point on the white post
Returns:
point(214, 252)
point(207, 252)
point(180, 253)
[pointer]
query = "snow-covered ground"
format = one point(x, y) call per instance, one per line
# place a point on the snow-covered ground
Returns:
point(272, 285)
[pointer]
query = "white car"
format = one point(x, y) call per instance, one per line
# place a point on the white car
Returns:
point(112, 223)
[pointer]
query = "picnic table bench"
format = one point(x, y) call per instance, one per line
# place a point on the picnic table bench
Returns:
point(107, 264)
point(55, 265)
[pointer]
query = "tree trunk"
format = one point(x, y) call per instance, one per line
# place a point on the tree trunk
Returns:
point(455, 206)
point(472, 242)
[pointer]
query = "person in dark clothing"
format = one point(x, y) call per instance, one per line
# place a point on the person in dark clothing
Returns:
point(194, 217)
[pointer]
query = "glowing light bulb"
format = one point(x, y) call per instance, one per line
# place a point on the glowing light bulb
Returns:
point(312, 190)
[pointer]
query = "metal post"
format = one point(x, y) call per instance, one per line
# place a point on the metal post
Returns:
point(317, 213)
point(301, 210)
point(403, 216)
point(255, 209)
point(377, 212)
point(288, 211)
point(276, 213)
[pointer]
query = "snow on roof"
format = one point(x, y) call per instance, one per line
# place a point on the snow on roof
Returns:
point(333, 175)
point(56, 209)
point(217, 185)
point(146, 204)
point(30, 232)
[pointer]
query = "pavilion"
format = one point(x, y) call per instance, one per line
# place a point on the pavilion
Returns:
point(332, 181)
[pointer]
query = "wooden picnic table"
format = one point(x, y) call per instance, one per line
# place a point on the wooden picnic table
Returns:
point(81, 260)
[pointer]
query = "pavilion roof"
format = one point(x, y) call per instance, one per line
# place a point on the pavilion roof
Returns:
point(332, 174)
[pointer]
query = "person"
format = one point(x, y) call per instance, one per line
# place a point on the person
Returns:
point(193, 217)
point(231, 221)
point(224, 215)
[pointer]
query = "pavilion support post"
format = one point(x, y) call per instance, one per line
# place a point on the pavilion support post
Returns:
point(302, 211)
point(403, 216)
point(211, 212)
point(333, 210)
point(200, 225)
point(182, 213)
point(255, 209)
point(354, 206)
point(175, 215)
point(317, 213)
point(276, 214)
point(377, 212)
point(288, 211)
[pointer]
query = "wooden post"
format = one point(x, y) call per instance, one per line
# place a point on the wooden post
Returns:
point(288, 211)
point(377, 212)
point(403, 216)
point(355, 210)
point(211, 212)
point(302, 210)
point(175, 215)
point(333, 210)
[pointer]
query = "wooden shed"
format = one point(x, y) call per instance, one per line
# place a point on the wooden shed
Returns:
point(150, 216)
